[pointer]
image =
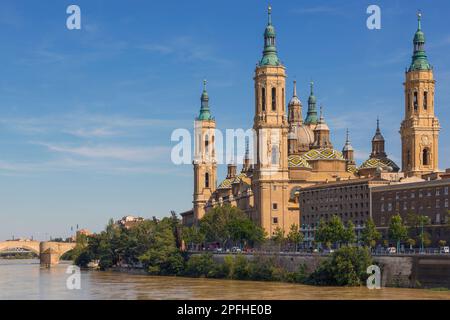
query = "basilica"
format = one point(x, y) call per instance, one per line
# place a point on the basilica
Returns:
point(294, 148)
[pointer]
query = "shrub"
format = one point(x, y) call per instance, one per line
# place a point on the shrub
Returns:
point(200, 265)
point(346, 267)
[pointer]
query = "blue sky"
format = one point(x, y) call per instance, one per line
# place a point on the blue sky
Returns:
point(86, 116)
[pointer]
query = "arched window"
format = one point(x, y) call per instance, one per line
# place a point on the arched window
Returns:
point(409, 101)
point(425, 100)
point(207, 180)
point(416, 103)
point(408, 157)
point(275, 155)
point(206, 145)
point(274, 99)
point(263, 99)
point(425, 157)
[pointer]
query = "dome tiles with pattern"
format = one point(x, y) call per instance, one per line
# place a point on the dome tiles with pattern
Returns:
point(296, 161)
point(373, 163)
point(323, 154)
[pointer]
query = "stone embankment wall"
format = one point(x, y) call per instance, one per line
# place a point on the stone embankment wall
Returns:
point(415, 271)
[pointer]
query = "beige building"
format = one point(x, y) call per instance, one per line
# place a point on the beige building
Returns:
point(292, 152)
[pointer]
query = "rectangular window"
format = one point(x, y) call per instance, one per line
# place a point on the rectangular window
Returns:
point(274, 206)
point(275, 220)
point(438, 204)
point(382, 207)
point(438, 191)
point(274, 99)
point(389, 206)
point(263, 99)
point(425, 100)
point(446, 203)
point(416, 103)
point(446, 190)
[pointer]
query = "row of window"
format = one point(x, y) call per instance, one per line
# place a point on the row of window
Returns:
point(421, 193)
point(273, 98)
point(389, 206)
point(416, 101)
point(340, 198)
point(341, 206)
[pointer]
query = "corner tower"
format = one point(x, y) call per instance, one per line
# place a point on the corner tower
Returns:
point(205, 167)
point(271, 176)
point(420, 128)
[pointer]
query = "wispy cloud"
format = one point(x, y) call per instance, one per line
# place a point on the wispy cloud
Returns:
point(186, 48)
point(109, 152)
point(86, 125)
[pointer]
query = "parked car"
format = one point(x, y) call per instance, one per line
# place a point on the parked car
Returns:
point(391, 250)
point(236, 249)
point(445, 250)
point(218, 250)
point(328, 251)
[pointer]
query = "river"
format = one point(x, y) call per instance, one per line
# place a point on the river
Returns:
point(25, 279)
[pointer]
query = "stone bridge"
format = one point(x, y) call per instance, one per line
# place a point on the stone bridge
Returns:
point(49, 252)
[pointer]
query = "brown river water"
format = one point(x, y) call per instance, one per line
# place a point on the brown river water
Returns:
point(25, 279)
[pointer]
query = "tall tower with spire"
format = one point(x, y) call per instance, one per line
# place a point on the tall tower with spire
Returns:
point(271, 176)
point(311, 116)
point(348, 153)
point(420, 128)
point(205, 167)
point(321, 134)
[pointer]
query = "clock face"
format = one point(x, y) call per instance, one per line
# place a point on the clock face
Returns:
point(425, 140)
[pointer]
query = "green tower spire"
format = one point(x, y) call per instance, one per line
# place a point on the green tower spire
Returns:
point(311, 116)
point(204, 109)
point(270, 57)
point(419, 58)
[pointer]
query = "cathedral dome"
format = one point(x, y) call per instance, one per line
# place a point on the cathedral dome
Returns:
point(305, 135)
point(295, 101)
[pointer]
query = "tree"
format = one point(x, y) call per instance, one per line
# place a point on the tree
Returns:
point(347, 266)
point(349, 235)
point(370, 235)
point(227, 225)
point(278, 237)
point(442, 243)
point(411, 242)
point(295, 236)
point(331, 232)
point(397, 230)
point(193, 236)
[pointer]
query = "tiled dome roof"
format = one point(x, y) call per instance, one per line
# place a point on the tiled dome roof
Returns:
point(383, 163)
point(323, 154)
point(296, 161)
point(226, 184)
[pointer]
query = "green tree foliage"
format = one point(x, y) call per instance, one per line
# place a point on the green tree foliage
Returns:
point(397, 230)
point(370, 234)
point(295, 236)
point(229, 225)
point(349, 235)
point(346, 267)
point(151, 243)
point(334, 232)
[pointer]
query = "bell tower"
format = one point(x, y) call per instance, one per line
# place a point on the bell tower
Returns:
point(205, 166)
point(420, 128)
point(271, 176)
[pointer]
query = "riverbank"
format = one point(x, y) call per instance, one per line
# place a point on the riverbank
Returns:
point(26, 280)
point(419, 272)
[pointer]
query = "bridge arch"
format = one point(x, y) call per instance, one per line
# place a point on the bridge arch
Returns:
point(32, 246)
